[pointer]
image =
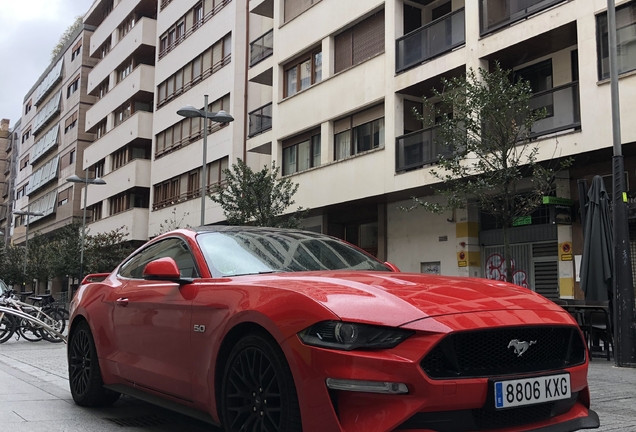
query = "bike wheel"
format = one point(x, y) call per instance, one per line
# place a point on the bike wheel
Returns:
point(7, 327)
point(28, 330)
point(54, 319)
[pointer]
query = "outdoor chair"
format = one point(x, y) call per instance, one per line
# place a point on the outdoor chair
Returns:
point(599, 327)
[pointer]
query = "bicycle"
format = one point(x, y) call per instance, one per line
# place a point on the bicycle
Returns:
point(30, 329)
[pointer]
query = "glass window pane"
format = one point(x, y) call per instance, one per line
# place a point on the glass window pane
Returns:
point(378, 133)
point(315, 140)
point(343, 145)
point(304, 155)
point(305, 75)
point(291, 81)
point(317, 67)
point(289, 160)
point(362, 138)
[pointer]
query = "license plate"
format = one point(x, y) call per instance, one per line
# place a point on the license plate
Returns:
point(530, 391)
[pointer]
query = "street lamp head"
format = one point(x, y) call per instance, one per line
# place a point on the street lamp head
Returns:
point(222, 117)
point(189, 111)
point(97, 181)
point(78, 179)
point(75, 179)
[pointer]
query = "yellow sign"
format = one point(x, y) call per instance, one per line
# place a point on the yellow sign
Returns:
point(462, 264)
point(566, 257)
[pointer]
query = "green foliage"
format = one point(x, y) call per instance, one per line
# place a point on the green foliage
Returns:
point(39, 254)
point(491, 159)
point(173, 222)
point(66, 36)
point(104, 251)
point(257, 197)
point(11, 264)
point(65, 247)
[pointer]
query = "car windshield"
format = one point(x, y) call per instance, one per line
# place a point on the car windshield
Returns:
point(4, 289)
point(234, 253)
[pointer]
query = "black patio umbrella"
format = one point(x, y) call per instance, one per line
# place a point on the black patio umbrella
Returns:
point(596, 263)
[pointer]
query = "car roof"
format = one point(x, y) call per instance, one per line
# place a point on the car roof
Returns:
point(251, 229)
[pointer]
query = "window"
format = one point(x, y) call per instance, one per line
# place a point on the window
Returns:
point(101, 129)
point(539, 76)
point(63, 197)
point(26, 135)
point(197, 15)
point(119, 203)
point(70, 122)
point(163, 44)
point(99, 168)
point(67, 159)
point(302, 152)
point(102, 89)
point(625, 31)
point(24, 162)
point(188, 130)
point(120, 158)
point(126, 26)
point(72, 88)
point(125, 70)
point(303, 73)
point(201, 67)
point(77, 49)
point(359, 43)
point(123, 113)
point(20, 192)
point(71, 156)
point(105, 48)
point(293, 8)
point(194, 184)
point(28, 106)
point(361, 132)
point(174, 248)
point(167, 192)
point(135, 197)
point(95, 211)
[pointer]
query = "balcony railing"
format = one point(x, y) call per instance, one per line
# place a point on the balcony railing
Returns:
point(262, 48)
point(495, 14)
point(562, 107)
point(431, 40)
point(260, 120)
point(418, 148)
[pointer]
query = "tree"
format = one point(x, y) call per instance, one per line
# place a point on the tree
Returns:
point(173, 223)
point(64, 38)
point(490, 149)
point(105, 251)
point(12, 265)
point(64, 249)
point(257, 198)
point(38, 262)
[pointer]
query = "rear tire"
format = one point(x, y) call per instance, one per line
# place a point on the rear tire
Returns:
point(85, 376)
point(258, 391)
point(7, 327)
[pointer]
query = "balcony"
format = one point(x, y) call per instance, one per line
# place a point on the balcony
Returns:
point(143, 34)
point(135, 173)
point(431, 40)
point(260, 120)
point(135, 221)
point(417, 149)
point(138, 126)
point(262, 47)
point(562, 106)
point(262, 7)
point(495, 14)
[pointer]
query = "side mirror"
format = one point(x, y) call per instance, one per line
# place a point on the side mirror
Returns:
point(163, 269)
point(393, 267)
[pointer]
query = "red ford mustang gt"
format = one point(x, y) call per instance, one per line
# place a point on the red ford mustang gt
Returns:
point(262, 329)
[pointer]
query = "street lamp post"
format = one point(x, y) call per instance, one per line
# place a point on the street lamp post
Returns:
point(26, 213)
point(86, 181)
point(189, 111)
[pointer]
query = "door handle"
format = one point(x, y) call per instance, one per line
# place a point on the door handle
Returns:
point(123, 302)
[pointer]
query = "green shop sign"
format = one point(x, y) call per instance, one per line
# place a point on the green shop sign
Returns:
point(557, 201)
point(523, 220)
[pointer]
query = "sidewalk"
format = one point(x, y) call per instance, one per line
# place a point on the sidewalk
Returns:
point(34, 396)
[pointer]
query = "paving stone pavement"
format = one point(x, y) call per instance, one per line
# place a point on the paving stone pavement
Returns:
point(34, 396)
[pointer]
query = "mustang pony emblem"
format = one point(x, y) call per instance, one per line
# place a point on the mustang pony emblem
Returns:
point(520, 346)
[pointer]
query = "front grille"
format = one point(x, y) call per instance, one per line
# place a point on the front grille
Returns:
point(488, 418)
point(484, 353)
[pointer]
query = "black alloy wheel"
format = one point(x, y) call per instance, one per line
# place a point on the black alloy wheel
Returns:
point(258, 392)
point(85, 377)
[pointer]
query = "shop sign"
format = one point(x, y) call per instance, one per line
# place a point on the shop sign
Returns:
point(523, 220)
point(557, 201)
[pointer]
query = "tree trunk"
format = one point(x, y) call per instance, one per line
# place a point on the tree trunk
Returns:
point(507, 256)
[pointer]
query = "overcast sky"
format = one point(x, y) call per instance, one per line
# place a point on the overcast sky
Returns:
point(29, 29)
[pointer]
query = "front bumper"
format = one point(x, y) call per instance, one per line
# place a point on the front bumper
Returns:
point(440, 404)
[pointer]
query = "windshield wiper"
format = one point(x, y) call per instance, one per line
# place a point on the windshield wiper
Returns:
point(258, 273)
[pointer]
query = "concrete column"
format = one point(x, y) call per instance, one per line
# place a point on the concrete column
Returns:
point(382, 232)
point(326, 142)
point(468, 249)
point(328, 57)
point(473, 53)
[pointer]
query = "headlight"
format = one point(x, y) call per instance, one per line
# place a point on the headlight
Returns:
point(349, 336)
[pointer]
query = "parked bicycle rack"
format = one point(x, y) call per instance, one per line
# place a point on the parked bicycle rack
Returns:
point(33, 320)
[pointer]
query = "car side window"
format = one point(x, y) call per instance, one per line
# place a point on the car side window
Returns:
point(174, 248)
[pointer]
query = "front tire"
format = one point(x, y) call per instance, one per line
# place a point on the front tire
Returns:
point(258, 391)
point(85, 376)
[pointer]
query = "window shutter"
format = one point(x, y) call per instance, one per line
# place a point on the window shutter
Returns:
point(368, 38)
point(207, 6)
point(293, 8)
point(217, 53)
point(306, 136)
point(368, 115)
point(341, 125)
point(343, 50)
point(207, 62)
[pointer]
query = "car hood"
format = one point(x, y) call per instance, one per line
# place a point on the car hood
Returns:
point(395, 299)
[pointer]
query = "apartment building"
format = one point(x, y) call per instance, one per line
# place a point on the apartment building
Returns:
point(332, 86)
point(123, 47)
point(9, 139)
point(202, 50)
point(52, 140)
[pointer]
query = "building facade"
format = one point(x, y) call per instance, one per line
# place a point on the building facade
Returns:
point(52, 141)
point(6, 180)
